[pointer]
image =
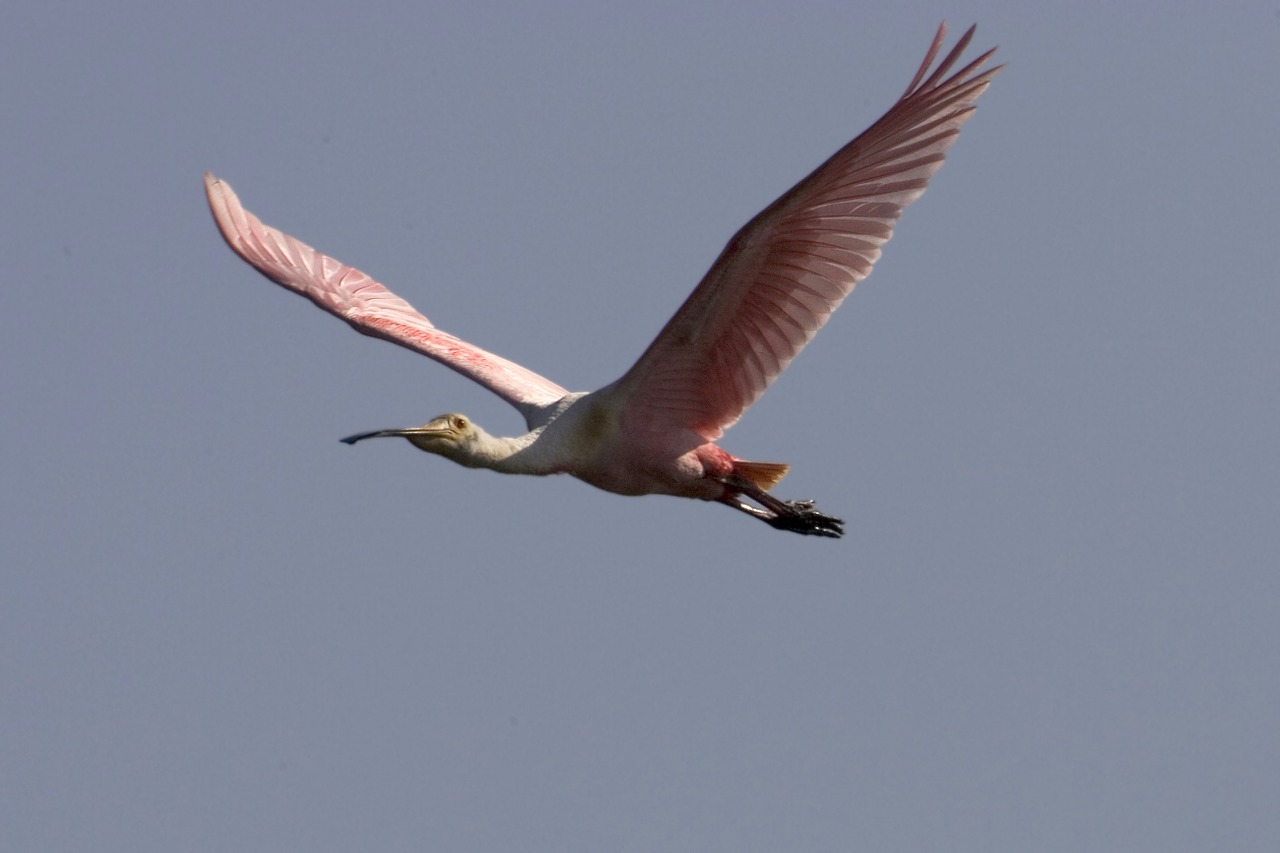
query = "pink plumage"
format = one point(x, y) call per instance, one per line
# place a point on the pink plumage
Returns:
point(776, 283)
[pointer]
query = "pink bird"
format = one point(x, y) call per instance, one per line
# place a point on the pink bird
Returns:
point(654, 431)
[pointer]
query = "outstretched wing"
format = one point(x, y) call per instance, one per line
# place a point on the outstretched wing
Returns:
point(369, 307)
point(779, 279)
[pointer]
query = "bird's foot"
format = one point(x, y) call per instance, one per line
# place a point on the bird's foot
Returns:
point(797, 516)
point(803, 517)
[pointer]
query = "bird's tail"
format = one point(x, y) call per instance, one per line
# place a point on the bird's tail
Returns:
point(762, 475)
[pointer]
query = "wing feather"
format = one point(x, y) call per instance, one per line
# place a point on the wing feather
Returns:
point(366, 305)
point(780, 278)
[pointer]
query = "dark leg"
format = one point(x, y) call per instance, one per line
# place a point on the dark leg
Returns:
point(796, 516)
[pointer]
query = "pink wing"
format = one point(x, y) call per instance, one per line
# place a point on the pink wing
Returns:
point(780, 278)
point(369, 307)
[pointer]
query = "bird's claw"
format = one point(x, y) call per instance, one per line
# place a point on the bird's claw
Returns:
point(804, 518)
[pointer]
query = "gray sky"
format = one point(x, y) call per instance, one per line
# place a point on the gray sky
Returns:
point(1049, 418)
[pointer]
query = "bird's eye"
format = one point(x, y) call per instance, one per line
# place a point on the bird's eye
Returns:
point(459, 422)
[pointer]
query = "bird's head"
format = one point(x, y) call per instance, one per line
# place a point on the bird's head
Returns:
point(453, 436)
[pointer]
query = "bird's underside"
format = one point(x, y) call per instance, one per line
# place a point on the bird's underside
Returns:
point(775, 284)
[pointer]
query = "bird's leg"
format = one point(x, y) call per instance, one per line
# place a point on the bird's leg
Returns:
point(796, 516)
point(732, 500)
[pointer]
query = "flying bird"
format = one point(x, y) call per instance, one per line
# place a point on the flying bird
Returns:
point(775, 284)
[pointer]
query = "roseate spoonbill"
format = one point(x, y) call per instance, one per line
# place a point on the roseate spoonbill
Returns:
point(654, 431)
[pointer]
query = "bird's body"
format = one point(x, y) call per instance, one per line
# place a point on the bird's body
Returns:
point(654, 431)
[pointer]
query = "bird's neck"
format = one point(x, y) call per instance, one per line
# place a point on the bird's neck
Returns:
point(555, 446)
point(505, 454)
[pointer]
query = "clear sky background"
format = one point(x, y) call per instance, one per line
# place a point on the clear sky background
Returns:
point(1050, 419)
